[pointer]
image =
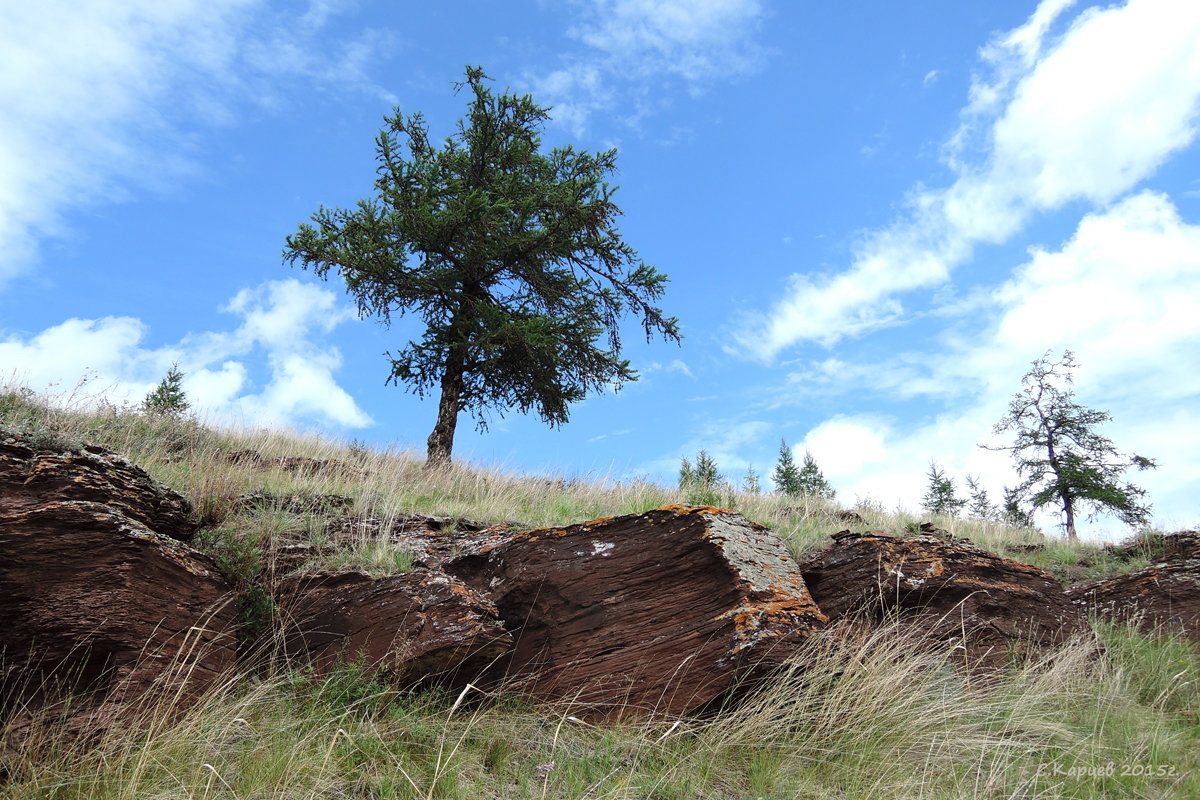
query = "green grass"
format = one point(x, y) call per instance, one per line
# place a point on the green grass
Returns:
point(858, 714)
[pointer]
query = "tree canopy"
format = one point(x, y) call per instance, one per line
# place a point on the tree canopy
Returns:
point(1061, 458)
point(510, 256)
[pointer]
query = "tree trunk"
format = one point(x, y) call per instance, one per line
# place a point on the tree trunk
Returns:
point(1069, 511)
point(441, 441)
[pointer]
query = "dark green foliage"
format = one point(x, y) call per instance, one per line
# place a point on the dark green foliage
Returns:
point(1062, 459)
point(703, 481)
point(786, 477)
point(169, 399)
point(941, 496)
point(979, 506)
point(1012, 510)
point(812, 481)
point(510, 257)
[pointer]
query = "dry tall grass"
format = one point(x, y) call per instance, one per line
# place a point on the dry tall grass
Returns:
point(858, 714)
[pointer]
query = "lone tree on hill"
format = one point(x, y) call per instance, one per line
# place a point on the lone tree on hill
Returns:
point(1062, 459)
point(509, 255)
point(168, 399)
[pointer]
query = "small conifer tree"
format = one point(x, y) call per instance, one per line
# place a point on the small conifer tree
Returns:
point(786, 477)
point(703, 481)
point(812, 481)
point(168, 399)
point(1012, 512)
point(979, 506)
point(750, 484)
point(941, 498)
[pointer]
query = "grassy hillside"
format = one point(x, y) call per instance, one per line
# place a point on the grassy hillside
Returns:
point(879, 715)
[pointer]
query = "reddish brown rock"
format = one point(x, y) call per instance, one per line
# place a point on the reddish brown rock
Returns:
point(432, 539)
point(30, 475)
point(1166, 594)
point(418, 627)
point(662, 612)
point(90, 595)
point(993, 607)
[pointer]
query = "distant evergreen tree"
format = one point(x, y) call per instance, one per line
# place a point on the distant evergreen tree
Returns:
point(750, 484)
point(979, 506)
point(1012, 512)
point(169, 398)
point(703, 481)
point(687, 475)
point(707, 473)
point(812, 481)
point(941, 498)
point(1064, 461)
point(786, 477)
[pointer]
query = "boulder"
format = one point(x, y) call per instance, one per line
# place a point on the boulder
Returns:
point(419, 627)
point(32, 474)
point(669, 612)
point(432, 539)
point(97, 593)
point(991, 607)
point(1166, 594)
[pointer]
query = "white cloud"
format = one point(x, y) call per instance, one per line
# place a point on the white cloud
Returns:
point(100, 97)
point(1123, 293)
point(1126, 284)
point(695, 39)
point(278, 320)
point(630, 44)
point(1085, 116)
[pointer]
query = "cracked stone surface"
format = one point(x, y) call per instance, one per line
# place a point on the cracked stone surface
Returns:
point(992, 606)
point(661, 612)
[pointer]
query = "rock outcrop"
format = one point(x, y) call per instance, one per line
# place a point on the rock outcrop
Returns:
point(992, 606)
point(672, 612)
point(1166, 594)
point(663, 612)
point(97, 593)
point(419, 627)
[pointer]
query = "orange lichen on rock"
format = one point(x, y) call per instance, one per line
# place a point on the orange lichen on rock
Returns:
point(680, 508)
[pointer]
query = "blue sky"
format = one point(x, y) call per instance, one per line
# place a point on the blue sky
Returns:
point(874, 217)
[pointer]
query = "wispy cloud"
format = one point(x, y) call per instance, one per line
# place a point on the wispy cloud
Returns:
point(276, 342)
point(104, 98)
point(629, 46)
point(1085, 115)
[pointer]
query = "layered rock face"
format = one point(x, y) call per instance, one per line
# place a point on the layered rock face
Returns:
point(419, 627)
point(1166, 594)
point(671, 612)
point(662, 612)
point(97, 592)
point(992, 606)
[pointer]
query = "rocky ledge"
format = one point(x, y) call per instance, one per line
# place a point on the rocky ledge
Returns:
point(670, 612)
